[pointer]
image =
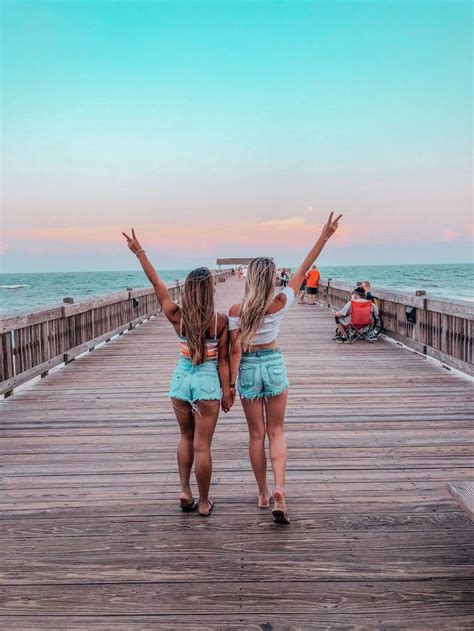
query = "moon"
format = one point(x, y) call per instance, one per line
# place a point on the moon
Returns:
point(310, 209)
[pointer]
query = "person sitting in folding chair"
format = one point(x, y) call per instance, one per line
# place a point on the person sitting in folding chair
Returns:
point(356, 319)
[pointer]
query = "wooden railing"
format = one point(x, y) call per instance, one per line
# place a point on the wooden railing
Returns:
point(443, 328)
point(33, 343)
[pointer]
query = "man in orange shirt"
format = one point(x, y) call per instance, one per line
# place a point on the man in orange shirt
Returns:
point(312, 282)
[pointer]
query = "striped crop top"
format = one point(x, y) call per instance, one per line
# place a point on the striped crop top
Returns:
point(211, 344)
point(271, 325)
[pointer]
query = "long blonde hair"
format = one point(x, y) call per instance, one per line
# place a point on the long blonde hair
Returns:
point(197, 311)
point(258, 293)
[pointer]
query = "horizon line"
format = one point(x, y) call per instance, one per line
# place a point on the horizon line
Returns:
point(170, 269)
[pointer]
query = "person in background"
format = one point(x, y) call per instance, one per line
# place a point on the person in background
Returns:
point(369, 295)
point(285, 276)
point(366, 286)
point(302, 292)
point(312, 283)
point(343, 317)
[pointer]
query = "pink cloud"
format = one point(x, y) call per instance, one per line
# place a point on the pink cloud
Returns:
point(450, 235)
point(283, 233)
point(289, 231)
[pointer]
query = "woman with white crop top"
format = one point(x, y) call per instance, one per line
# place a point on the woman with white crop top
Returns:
point(258, 369)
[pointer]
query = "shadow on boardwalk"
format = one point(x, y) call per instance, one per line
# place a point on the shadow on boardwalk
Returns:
point(91, 534)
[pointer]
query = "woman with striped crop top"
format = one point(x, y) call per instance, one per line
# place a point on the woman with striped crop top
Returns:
point(258, 369)
point(201, 373)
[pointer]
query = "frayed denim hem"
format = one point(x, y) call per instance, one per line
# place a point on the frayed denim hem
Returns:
point(263, 395)
point(214, 398)
point(194, 404)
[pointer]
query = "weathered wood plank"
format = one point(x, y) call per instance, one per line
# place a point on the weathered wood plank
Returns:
point(436, 597)
point(463, 493)
point(270, 620)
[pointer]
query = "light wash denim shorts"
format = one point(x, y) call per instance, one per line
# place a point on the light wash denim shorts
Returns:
point(262, 374)
point(195, 383)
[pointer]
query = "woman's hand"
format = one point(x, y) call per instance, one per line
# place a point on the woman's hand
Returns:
point(328, 230)
point(330, 227)
point(132, 242)
point(228, 400)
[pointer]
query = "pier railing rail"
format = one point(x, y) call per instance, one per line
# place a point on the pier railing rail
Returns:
point(33, 343)
point(437, 327)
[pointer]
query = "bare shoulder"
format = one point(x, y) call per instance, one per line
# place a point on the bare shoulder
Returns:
point(234, 311)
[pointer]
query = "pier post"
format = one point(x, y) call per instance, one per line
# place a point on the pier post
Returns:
point(417, 327)
point(328, 288)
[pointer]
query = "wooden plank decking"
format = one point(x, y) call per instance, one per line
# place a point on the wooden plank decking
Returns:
point(91, 537)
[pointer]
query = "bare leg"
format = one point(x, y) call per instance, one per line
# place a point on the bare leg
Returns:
point(205, 420)
point(301, 296)
point(275, 409)
point(185, 452)
point(253, 410)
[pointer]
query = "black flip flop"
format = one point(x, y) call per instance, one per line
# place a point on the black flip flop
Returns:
point(188, 507)
point(280, 516)
point(211, 506)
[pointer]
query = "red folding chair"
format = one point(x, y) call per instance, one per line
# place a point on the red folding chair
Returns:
point(361, 326)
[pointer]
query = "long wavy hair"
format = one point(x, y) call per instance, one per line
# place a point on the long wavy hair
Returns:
point(197, 311)
point(258, 293)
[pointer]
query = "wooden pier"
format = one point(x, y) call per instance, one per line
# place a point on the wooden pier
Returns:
point(91, 537)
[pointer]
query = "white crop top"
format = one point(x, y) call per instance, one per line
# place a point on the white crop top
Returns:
point(269, 330)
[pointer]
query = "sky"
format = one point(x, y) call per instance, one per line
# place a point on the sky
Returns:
point(229, 128)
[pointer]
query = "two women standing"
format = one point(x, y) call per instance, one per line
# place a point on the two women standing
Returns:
point(251, 364)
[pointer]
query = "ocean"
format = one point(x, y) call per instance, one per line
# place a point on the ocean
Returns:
point(21, 292)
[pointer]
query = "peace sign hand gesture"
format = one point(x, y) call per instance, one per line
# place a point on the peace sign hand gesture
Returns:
point(132, 242)
point(330, 227)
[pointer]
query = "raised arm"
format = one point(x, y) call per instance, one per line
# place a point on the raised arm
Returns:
point(328, 230)
point(170, 308)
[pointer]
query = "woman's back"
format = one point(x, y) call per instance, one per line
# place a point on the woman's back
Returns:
point(211, 343)
point(269, 328)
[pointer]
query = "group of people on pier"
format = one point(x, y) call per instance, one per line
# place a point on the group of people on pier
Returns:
point(222, 355)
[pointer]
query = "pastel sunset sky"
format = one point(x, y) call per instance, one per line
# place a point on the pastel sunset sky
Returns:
point(232, 129)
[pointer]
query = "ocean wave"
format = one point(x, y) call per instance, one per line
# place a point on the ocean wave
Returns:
point(12, 286)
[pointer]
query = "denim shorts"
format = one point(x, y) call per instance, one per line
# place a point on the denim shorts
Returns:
point(262, 374)
point(195, 383)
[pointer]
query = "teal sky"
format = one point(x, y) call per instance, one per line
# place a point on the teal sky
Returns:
point(232, 128)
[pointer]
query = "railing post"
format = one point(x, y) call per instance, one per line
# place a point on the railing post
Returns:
point(178, 290)
point(327, 292)
point(417, 336)
point(130, 289)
